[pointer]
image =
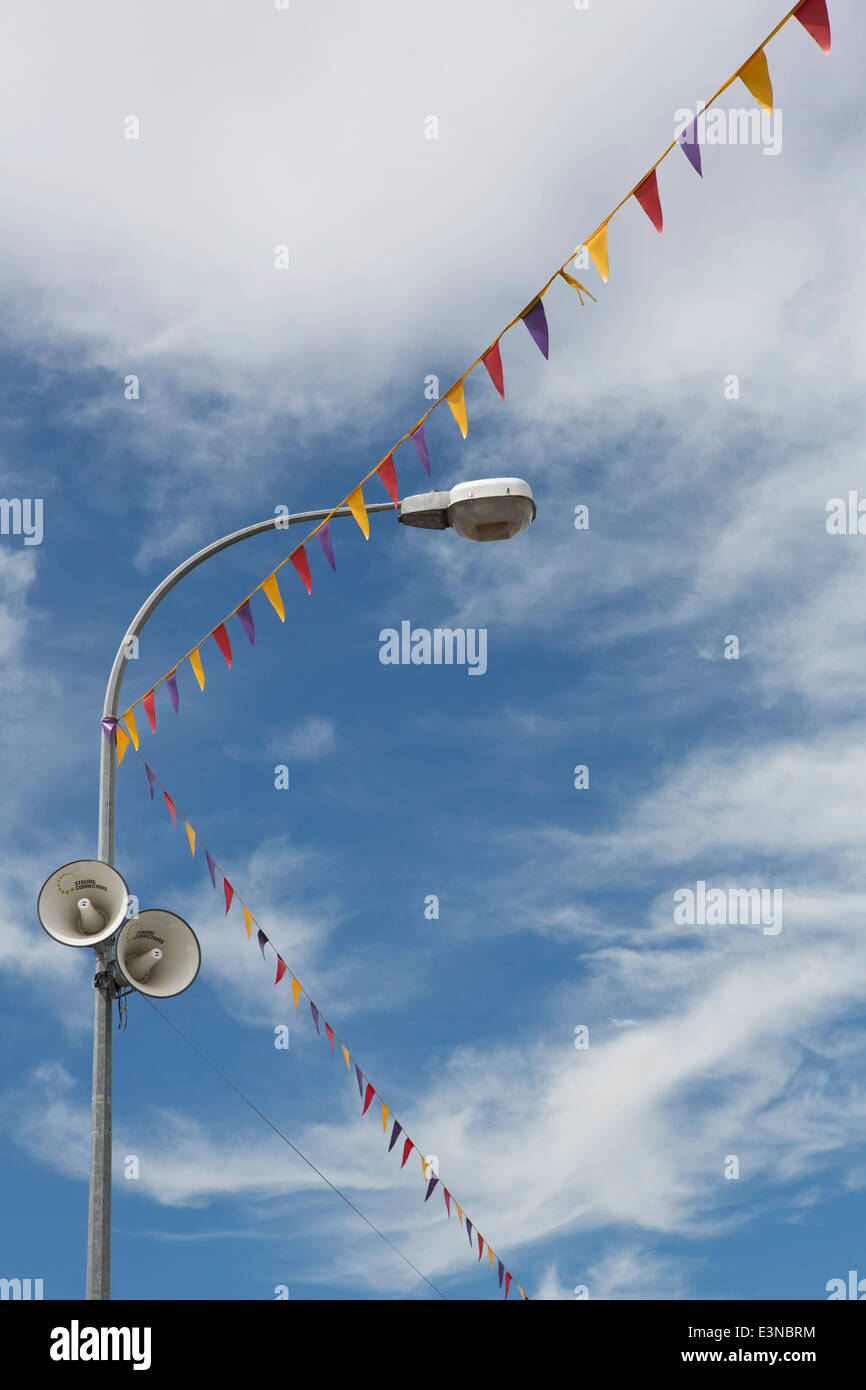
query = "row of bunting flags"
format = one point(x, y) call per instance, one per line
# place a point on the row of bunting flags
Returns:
point(754, 73)
point(366, 1089)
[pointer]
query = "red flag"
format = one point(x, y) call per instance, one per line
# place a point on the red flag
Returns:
point(388, 474)
point(507, 1283)
point(330, 1032)
point(447, 1201)
point(222, 641)
point(299, 560)
point(151, 712)
point(480, 1244)
point(493, 363)
point(407, 1149)
point(813, 16)
point(368, 1097)
point(229, 892)
point(281, 968)
point(647, 195)
point(170, 804)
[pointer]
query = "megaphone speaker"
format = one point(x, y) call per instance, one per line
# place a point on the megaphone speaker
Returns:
point(83, 902)
point(158, 953)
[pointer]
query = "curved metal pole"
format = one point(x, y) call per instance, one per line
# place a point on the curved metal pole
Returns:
point(98, 1283)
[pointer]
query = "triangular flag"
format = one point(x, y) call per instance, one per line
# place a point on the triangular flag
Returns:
point(459, 1213)
point(691, 147)
point(501, 1272)
point(507, 1283)
point(756, 76)
point(480, 1244)
point(423, 1165)
point(520, 1291)
point(346, 1055)
point(122, 741)
point(813, 16)
point(395, 1135)
point(248, 920)
point(131, 726)
point(171, 682)
point(469, 1229)
point(281, 968)
point(647, 194)
point(299, 560)
point(330, 1032)
point(431, 1188)
point(151, 777)
point(271, 588)
point(597, 248)
point(492, 360)
point(447, 1195)
point(229, 892)
point(388, 474)
point(368, 1096)
point(195, 663)
point(171, 806)
point(490, 1256)
point(384, 1117)
point(263, 941)
point(315, 1012)
point(457, 402)
point(149, 709)
point(360, 1079)
point(407, 1149)
point(324, 535)
point(536, 321)
point(576, 285)
point(222, 640)
point(355, 503)
point(419, 439)
point(246, 617)
point(296, 990)
point(190, 835)
point(211, 868)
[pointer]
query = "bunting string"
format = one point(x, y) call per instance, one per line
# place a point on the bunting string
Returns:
point(366, 1090)
point(754, 73)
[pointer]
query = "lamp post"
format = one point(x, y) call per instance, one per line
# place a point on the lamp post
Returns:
point(488, 509)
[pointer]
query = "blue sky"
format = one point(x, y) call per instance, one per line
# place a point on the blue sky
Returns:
point(601, 1167)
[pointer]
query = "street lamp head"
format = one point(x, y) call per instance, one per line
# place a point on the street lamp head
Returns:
point(486, 509)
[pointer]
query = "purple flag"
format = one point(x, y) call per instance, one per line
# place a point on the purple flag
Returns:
point(211, 866)
point(536, 321)
point(691, 147)
point(171, 682)
point(469, 1229)
point(419, 439)
point(263, 941)
point(395, 1135)
point(109, 724)
point(325, 543)
point(315, 1012)
point(360, 1076)
point(246, 617)
point(501, 1272)
point(431, 1187)
point(151, 777)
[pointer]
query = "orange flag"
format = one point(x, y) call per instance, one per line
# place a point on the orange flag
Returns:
point(355, 503)
point(272, 589)
point(457, 402)
point(129, 717)
point(597, 248)
point(248, 919)
point(123, 742)
point(756, 76)
point(195, 663)
point(296, 990)
point(190, 835)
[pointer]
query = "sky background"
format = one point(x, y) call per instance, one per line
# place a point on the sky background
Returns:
point(260, 388)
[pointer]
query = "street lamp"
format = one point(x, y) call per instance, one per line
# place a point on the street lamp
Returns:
point(486, 509)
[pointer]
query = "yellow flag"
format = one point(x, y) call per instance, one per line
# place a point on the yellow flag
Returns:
point(272, 589)
point(459, 1213)
point(756, 75)
point(597, 248)
point(457, 402)
point(133, 731)
point(355, 503)
point(190, 835)
point(520, 1291)
point(424, 1166)
point(490, 1256)
point(248, 919)
point(296, 990)
point(195, 663)
point(346, 1055)
point(123, 742)
point(384, 1117)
